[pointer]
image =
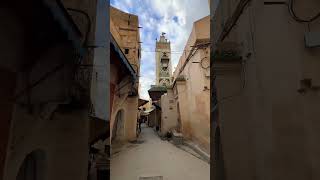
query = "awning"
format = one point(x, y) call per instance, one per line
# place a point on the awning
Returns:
point(149, 111)
point(142, 102)
point(156, 92)
point(124, 61)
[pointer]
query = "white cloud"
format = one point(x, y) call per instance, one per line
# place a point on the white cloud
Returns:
point(156, 16)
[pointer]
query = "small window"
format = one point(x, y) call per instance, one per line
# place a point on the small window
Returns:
point(138, 53)
point(126, 51)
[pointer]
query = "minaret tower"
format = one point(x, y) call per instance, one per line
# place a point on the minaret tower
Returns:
point(163, 62)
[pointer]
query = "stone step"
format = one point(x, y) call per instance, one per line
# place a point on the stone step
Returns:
point(205, 156)
point(177, 138)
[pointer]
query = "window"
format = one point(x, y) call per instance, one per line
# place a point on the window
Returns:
point(126, 51)
point(138, 53)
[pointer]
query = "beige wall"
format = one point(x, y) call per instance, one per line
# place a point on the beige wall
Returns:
point(127, 36)
point(193, 94)
point(182, 105)
point(272, 125)
point(193, 101)
point(169, 117)
point(154, 118)
point(130, 109)
point(200, 31)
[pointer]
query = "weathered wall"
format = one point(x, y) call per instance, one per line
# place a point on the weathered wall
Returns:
point(278, 123)
point(124, 28)
point(169, 117)
point(129, 105)
point(154, 118)
point(100, 89)
point(182, 103)
point(197, 93)
point(128, 34)
point(131, 119)
point(64, 139)
point(200, 31)
point(193, 94)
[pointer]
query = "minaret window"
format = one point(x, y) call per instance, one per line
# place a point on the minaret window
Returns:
point(165, 62)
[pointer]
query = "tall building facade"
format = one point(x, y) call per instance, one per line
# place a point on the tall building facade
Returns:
point(124, 69)
point(163, 62)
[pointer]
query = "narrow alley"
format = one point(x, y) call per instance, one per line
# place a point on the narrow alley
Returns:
point(152, 156)
point(168, 95)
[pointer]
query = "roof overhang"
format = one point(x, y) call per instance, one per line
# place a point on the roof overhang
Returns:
point(142, 102)
point(156, 92)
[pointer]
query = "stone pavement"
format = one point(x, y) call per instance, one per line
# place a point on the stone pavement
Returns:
point(153, 157)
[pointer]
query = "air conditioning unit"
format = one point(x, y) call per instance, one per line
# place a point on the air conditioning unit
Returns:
point(312, 39)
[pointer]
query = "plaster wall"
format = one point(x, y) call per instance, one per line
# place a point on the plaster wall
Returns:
point(169, 117)
point(278, 123)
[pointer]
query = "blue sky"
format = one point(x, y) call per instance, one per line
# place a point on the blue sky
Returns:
point(174, 17)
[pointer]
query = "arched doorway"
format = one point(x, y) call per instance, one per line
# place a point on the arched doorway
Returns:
point(33, 166)
point(118, 126)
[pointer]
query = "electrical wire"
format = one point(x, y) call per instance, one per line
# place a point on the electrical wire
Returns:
point(298, 19)
point(231, 22)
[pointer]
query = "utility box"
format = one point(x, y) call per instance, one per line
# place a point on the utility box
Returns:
point(312, 39)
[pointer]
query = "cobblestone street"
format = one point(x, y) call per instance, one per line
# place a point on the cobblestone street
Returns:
point(153, 157)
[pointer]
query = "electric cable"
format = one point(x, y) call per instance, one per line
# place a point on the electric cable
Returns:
point(298, 19)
